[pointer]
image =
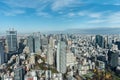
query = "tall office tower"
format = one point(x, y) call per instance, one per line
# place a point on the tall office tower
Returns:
point(37, 44)
point(100, 41)
point(1, 53)
point(21, 46)
point(118, 43)
point(30, 43)
point(110, 41)
point(50, 58)
point(19, 73)
point(44, 41)
point(113, 57)
point(12, 40)
point(33, 42)
point(61, 57)
point(106, 41)
point(52, 42)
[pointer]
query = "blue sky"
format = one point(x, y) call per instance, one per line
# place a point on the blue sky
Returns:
point(52, 15)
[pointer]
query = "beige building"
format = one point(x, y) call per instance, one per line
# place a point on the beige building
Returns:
point(71, 59)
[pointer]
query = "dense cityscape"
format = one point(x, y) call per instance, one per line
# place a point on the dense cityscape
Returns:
point(39, 56)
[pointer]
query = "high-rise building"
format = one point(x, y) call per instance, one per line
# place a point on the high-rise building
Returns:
point(61, 57)
point(12, 40)
point(50, 57)
point(100, 41)
point(19, 73)
point(21, 46)
point(30, 43)
point(113, 57)
point(44, 41)
point(51, 42)
point(33, 42)
point(37, 44)
point(118, 43)
point(71, 59)
point(1, 53)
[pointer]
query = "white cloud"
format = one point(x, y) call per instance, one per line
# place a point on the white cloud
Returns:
point(96, 21)
point(60, 12)
point(59, 4)
point(110, 20)
point(117, 4)
point(81, 13)
point(71, 14)
point(12, 12)
point(114, 18)
point(25, 3)
point(95, 15)
point(36, 4)
point(90, 14)
point(44, 14)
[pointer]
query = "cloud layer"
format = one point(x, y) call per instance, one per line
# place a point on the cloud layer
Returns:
point(66, 12)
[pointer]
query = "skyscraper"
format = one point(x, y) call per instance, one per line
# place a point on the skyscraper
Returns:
point(50, 57)
point(30, 43)
point(33, 42)
point(1, 53)
point(61, 57)
point(113, 57)
point(12, 40)
point(37, 44)
point(100, 41)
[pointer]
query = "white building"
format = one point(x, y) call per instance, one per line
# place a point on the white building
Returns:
point(48, 75)
point(83, 69)
point(61, 57)
point(101, 65)
point(32, 59)
point(50, 58)
point(57, 77)
point(114, 47)
point(71, 59)
point(31, 76)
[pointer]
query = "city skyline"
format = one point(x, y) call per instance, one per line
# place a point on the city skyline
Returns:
point(55, 15)
point(61, 56)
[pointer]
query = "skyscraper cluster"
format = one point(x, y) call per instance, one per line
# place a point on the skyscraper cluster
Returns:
point(41, 56)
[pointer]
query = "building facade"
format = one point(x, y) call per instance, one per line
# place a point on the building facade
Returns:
point(61, 57)
point(12, 40)
point(33, 42)
point(1, 53)
point(19, 73)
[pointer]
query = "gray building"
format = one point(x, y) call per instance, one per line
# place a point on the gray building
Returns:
point(33, 42)
point(1, 53)
point(61, 57)
point(30, 43)
point(12, 40)
point(100, 41)
point(37, 43)
point(113, 57)
point(19, 73)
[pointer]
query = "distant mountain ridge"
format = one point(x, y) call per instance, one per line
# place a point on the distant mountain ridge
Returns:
point(77, 31)
point(90, 31)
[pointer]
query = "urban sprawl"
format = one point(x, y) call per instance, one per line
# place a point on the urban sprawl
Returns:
point(39, 56)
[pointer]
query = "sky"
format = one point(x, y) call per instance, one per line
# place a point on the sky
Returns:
point(55, 15)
